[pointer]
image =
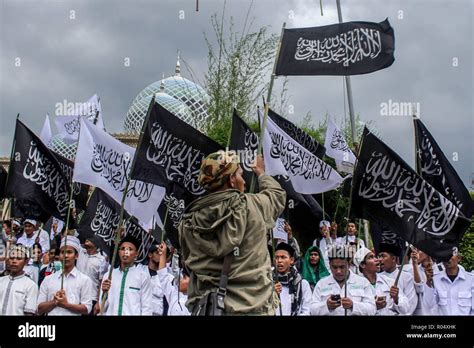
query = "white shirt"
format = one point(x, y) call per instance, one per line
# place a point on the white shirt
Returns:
point(176, 299)
point(323, 245)
point(33, 270)
point(17, 295)
point(407, 285)
point(382, 288)
point(344, 240)
point(29, 242)
point(93, 266)
point(156, 291)
point(78, 288)
point(130, 292)
point(285, 298)
point(451, 298)
point(359, 290)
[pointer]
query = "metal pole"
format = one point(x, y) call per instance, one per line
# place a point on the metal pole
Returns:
point(348, 86)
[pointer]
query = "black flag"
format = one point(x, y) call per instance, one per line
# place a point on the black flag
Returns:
point(36, 175)
point(102, 218)
point(386, 190)
point(306, 140)
point(171, 151)
point(435, 169)
point(349, 48)
point(382, 234)
point(3, 181)
point(80, 191)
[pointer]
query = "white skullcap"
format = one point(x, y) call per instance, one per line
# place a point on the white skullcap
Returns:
point(72, 242)
point(324, 223)
point(360, 255)
point(31, 221)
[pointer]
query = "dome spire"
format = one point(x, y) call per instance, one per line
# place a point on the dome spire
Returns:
point(178, 67)
point(162, 84)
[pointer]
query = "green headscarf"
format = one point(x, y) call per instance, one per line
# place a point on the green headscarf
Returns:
point(307, 269)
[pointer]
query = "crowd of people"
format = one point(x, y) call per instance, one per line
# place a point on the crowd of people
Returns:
point(228, 263)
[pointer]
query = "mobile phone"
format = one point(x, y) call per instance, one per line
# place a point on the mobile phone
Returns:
point(336, 298)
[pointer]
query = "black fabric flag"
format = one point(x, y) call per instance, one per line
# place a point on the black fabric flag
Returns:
point(36, 175)
point(306, 140)
point(435, 169)
point(349, 48)
point(387, 191)
point(171, 151)
point(3, 181)
point(382, 234)
point(102, 218)
point(80, 191)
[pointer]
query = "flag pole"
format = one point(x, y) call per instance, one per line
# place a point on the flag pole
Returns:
point(122, 205)
point(267, 103)
point(348, 85)
point(12, 152)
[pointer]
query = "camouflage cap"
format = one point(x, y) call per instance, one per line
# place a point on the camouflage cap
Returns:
point(217, 168)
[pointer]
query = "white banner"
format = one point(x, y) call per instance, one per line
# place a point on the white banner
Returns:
point(284, 156)
point(337, 148)
point(279, 230)
point(68, 127)
point(46, 133)
point(105, 162)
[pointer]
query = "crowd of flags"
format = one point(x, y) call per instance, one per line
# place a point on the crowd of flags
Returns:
point(428, 207)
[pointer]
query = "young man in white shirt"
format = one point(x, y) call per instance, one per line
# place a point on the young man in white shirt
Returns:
point(329, 294)
point(389, 300)
point(351, 237)
point(294, 291)
point(129, 292)
point(326, 240)
point(452, 291)
point(32, 235)
point(75, 298)
point(18, 293)
point(154, 256)
point(93, 264)
point(388, 257)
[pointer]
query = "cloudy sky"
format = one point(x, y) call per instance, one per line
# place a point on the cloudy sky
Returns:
point(69, 50)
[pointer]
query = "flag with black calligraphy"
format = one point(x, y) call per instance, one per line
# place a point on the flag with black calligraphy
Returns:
point(103, 161)
point(435, 168)
point(245, 142)
point(298, 134)
point(388, 191)
point(285, 156)
point(36, 175)
point(102, 218)
point(349, 48)
point(338, 149)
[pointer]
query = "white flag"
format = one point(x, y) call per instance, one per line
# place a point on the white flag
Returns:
point(105, 162)
point(68, 127)
point(279, 230)
point(92, 110)
point(46, 133)
point(337, 148)
point(284, 156)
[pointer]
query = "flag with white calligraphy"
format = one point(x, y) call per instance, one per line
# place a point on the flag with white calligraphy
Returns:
point(3, 181)
point(349, 48)
point(382, 234)
point(285, 156)
point(303, 138)
point(36, 175)
point(338, 149)
point(435, 168)
point(102, 218)
point(105, 162)
point(388, 191)
point(171, 151)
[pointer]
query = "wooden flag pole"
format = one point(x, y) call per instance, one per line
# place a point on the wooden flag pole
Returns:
point(267, 103)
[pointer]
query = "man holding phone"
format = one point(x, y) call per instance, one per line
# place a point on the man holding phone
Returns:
point(343, 292)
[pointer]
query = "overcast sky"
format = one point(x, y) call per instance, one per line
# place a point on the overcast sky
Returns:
point(71, 59)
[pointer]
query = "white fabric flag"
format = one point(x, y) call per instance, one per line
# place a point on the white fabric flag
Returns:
point(68, 127)
point(92, 110)
point(284, 156)
point(337, 148)
point(105, 162)
point(46, 133)
point(279, 230)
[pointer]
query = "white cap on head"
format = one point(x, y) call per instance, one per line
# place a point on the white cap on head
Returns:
point(324, 223)
point(360, 255)
point(72, 242)
point(30, 221)
point(16, 222)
